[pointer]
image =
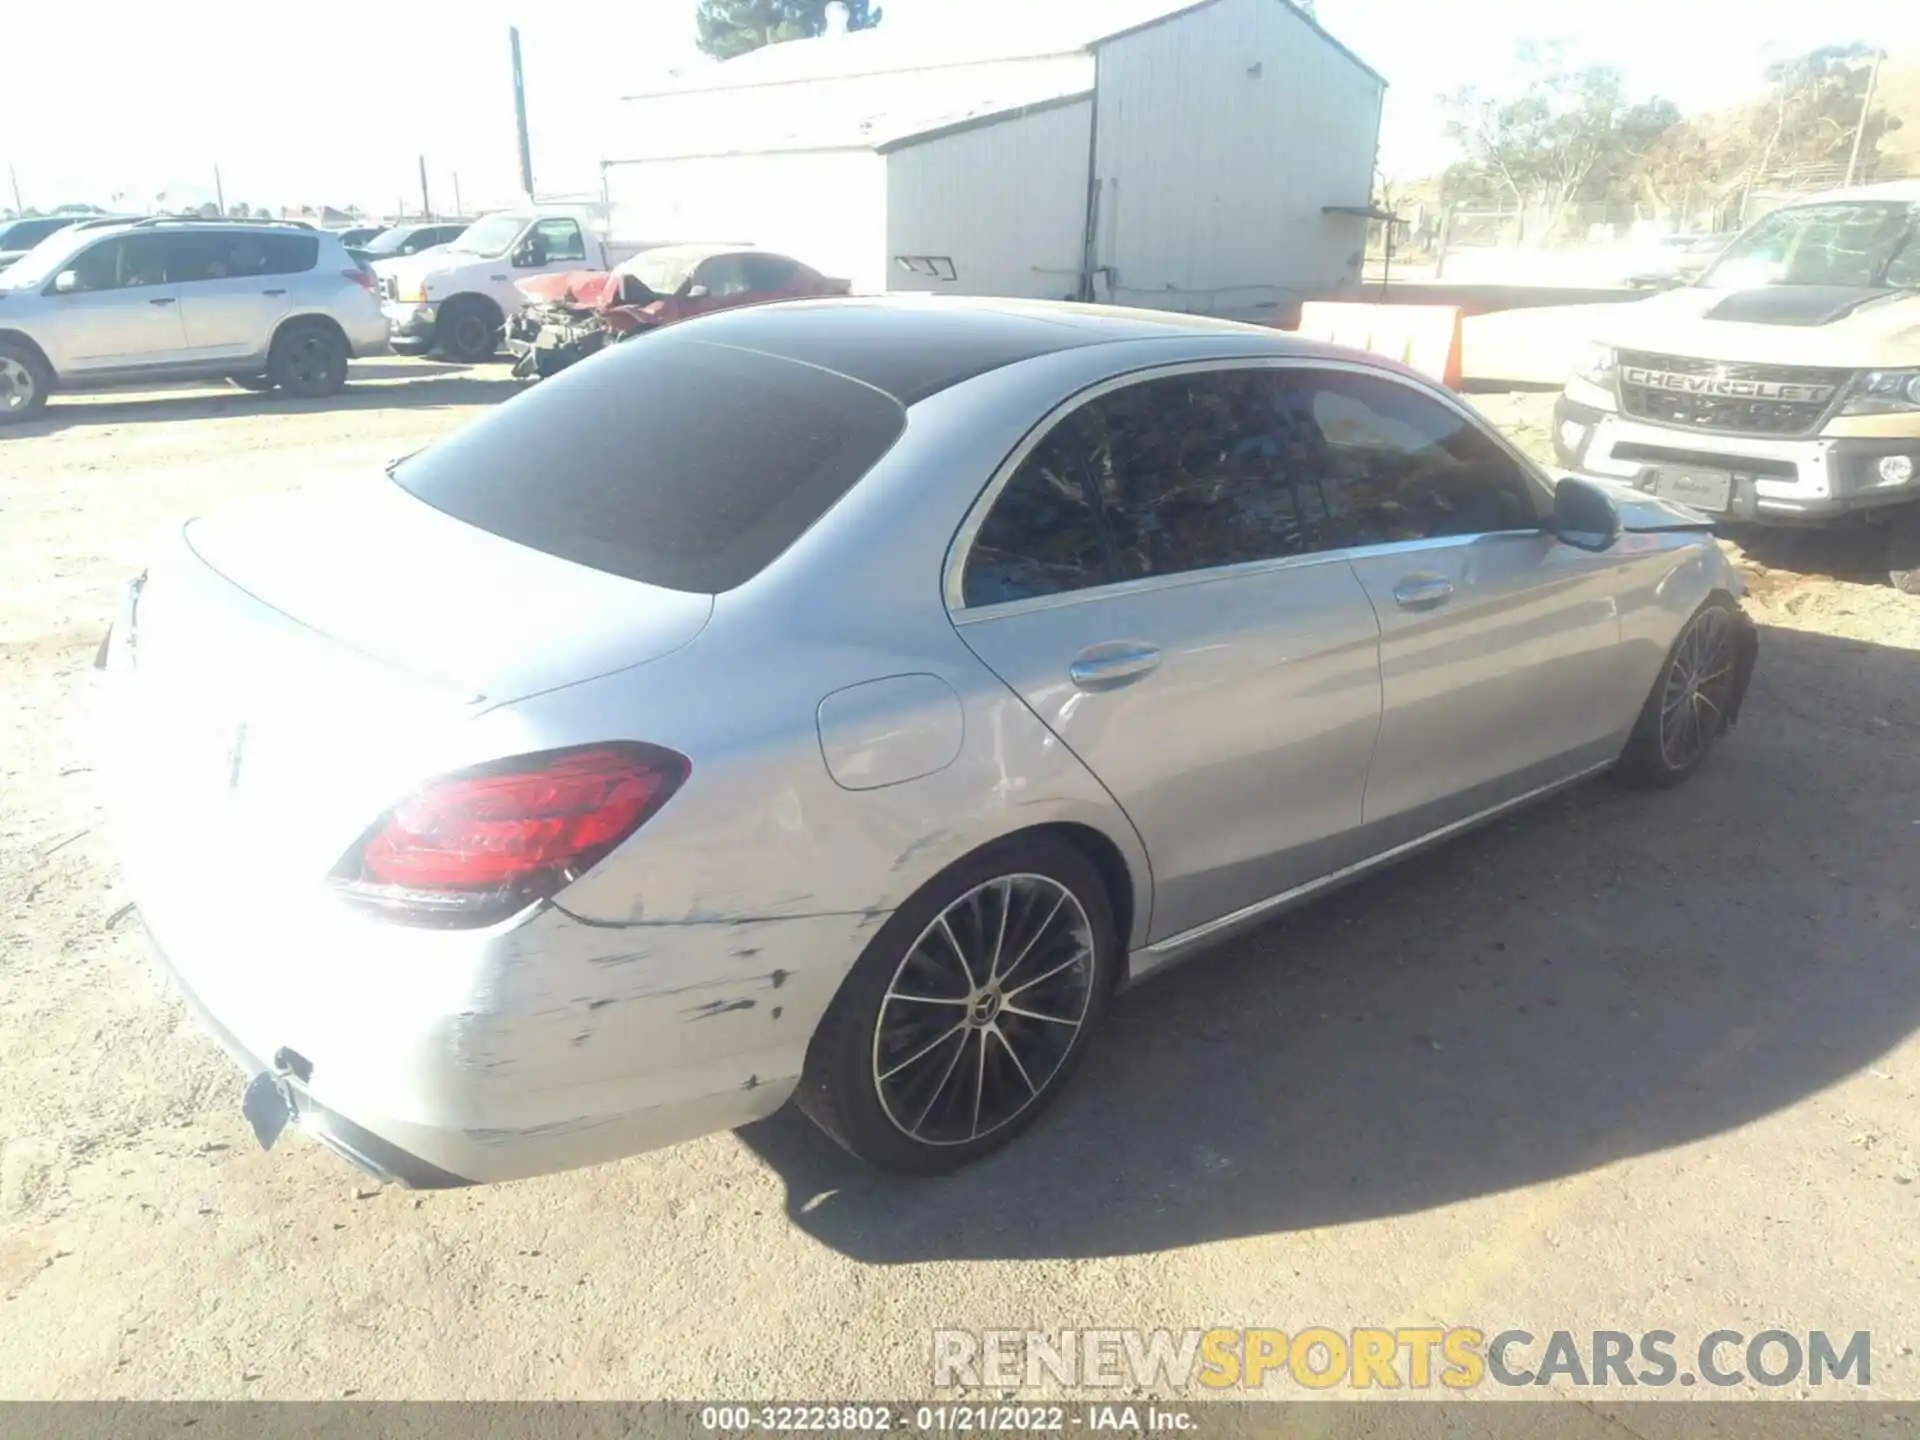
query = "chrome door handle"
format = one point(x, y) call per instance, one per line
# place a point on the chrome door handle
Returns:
point(1423, 592)
point(1109, 671)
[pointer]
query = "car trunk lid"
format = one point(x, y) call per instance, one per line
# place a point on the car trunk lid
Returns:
point(390, 577)
point(284, 675)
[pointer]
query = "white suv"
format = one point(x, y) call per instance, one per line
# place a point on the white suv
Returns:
point(122, 302)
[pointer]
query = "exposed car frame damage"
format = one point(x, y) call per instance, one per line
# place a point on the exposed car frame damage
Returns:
point(570, 317)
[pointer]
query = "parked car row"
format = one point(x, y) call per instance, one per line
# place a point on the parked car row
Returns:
point(279, 304)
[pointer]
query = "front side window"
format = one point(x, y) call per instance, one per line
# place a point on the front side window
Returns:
point(126, 262)
point(557, 239)
point(1407, 467)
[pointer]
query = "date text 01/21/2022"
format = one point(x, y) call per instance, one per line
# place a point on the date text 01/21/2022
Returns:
point(942, 1419)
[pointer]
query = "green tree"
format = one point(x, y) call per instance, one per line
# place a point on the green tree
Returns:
point(733, 27)
point(1561, 136)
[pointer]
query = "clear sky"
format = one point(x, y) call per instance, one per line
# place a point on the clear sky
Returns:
point(301, 104)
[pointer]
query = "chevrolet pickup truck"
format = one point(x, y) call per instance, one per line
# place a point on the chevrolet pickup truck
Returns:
point(455, 298)
point(1780, 388)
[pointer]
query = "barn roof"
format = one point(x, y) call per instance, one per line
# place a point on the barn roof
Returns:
point(987, 72)
point(942, 44)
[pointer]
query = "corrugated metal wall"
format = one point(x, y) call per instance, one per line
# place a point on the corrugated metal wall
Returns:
point(827, 208)
point(1006, 202)
point(1222, 134)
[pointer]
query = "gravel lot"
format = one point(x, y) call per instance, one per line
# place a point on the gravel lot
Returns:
point(1625, 1062)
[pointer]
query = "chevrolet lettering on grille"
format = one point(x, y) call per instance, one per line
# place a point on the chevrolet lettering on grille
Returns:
point(1723, 387)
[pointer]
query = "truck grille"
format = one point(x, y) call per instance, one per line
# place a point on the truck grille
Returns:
point(1734, 399)
point(388, 289)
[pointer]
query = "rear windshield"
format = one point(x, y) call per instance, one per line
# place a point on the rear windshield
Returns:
point(679, 464)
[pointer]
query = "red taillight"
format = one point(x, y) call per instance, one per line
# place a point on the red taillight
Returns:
point(365, 279)
point(478, 845)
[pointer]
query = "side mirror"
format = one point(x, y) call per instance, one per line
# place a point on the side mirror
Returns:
point(523, 254)
point(1584, 516)
point(66, 282)
point(698, 292)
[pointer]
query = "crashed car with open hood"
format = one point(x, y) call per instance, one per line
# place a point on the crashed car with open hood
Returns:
point(1780, 388)
point(569, 317)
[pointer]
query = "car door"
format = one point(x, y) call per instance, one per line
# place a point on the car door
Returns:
point(118, 311)
point(234, 288)
point(1500, 651)
point(1155, 586)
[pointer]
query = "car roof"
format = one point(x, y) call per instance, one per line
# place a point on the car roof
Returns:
point(701, 250)
point(912, 347)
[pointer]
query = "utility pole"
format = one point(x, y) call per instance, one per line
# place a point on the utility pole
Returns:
point(1866, 107)
point(219, 195)
point(459, 210)
point(18, 207)
point(426, 205)
point(520, 113)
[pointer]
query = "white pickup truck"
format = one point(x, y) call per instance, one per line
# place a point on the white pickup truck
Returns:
point(455, 297)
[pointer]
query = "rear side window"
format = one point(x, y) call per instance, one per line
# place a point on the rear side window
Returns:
point(678, 464)
point(238, 254)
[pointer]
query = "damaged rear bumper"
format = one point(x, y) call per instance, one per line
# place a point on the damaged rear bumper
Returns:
point(550, 1081)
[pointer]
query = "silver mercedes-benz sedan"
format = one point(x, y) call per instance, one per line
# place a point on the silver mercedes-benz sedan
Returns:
point(838, 701)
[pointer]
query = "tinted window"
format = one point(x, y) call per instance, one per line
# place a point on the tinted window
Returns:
point(679, 464)
point(769, 272)
point(557, 238)
point(724, 275)
point(123, 263)
point(1043, 535)
point(230, 255)
point(1201, 471)
point(25, 234)
point(1403, 466)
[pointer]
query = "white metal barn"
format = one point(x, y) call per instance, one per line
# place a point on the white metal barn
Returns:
point(1215, 157)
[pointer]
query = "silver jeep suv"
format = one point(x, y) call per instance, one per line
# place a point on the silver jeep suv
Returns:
point(120, 302)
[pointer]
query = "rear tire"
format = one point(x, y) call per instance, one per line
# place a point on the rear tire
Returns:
point(928, 1059)
point(1694, 699)
point(308, 359)
point(25, 382)
point(468, 330)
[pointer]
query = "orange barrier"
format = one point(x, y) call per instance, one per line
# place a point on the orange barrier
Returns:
point(1424, 337)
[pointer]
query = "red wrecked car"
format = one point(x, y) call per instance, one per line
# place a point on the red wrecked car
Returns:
point(571, 316)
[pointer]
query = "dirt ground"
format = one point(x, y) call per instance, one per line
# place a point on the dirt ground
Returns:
point(1626, 1062)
